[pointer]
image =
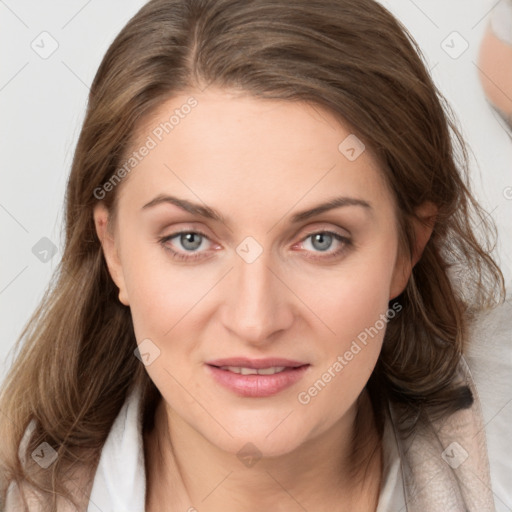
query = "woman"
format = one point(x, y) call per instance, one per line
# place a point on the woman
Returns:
point(270, 275)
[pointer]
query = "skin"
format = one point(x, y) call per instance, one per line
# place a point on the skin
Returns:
point(495, 72)
point(258, 162)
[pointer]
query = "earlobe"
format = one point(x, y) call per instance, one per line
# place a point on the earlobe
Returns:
point(110, 251)
point(423, 227)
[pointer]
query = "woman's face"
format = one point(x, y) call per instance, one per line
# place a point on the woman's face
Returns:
point(262, 269)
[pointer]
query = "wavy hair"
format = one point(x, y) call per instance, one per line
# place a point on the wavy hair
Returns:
point(75, 365)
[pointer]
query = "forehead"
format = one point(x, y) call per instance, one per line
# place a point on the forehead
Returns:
point(226, 145)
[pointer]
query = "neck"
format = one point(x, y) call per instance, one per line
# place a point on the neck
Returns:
point(186, 472)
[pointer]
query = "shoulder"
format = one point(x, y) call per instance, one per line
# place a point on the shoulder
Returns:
point(99, 480)
point(489, 357)
point(22, 496)
point(488, 352)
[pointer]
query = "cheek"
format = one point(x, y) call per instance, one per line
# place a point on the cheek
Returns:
point(354, 295)
point(354, 306)
point(161, 292)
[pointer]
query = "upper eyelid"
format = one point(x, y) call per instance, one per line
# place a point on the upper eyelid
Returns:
point(319, 227)
point(311, 231)
point(327, 230)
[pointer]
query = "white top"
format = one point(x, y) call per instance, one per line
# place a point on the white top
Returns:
point(119, 483)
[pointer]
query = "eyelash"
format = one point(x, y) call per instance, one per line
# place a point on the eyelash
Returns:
point(346, 244)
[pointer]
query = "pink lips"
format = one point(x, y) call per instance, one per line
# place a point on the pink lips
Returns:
point(257, 385)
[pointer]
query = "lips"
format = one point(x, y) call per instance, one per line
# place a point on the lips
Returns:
point(256, 377)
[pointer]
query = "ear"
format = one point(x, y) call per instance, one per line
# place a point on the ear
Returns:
point(423, 225)
point(110, 250)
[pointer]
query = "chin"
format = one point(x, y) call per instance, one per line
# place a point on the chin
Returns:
point(248, 448)
point(259, 441)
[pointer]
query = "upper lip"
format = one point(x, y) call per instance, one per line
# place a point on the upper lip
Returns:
point(245, 362)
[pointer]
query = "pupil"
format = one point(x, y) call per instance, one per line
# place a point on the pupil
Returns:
point(324, 239)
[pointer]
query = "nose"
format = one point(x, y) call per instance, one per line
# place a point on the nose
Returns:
point(259, 304)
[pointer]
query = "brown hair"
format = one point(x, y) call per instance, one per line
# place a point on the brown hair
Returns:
point(352, 57)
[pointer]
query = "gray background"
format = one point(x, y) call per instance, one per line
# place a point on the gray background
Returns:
point(43, 98)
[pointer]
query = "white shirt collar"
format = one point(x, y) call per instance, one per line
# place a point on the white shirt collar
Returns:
point(120, 480)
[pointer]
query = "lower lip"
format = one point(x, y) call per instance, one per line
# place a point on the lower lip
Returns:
point(257, 385)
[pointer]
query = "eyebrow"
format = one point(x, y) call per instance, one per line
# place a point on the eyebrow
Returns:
point(210, 213)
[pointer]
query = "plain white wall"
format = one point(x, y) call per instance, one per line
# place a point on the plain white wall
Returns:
point(43, 97)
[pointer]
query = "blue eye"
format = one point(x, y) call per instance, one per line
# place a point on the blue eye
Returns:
point(322, 241)
point(192, 241)
point(189, 240)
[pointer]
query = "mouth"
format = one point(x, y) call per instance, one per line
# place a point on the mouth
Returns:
point(272, 370)
point(256, 378)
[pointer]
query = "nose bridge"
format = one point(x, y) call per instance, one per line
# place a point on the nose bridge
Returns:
point(257, 305)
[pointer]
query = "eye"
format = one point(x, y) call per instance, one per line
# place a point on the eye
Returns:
point(323, 241)
point(190, 241)
point(192, 245)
